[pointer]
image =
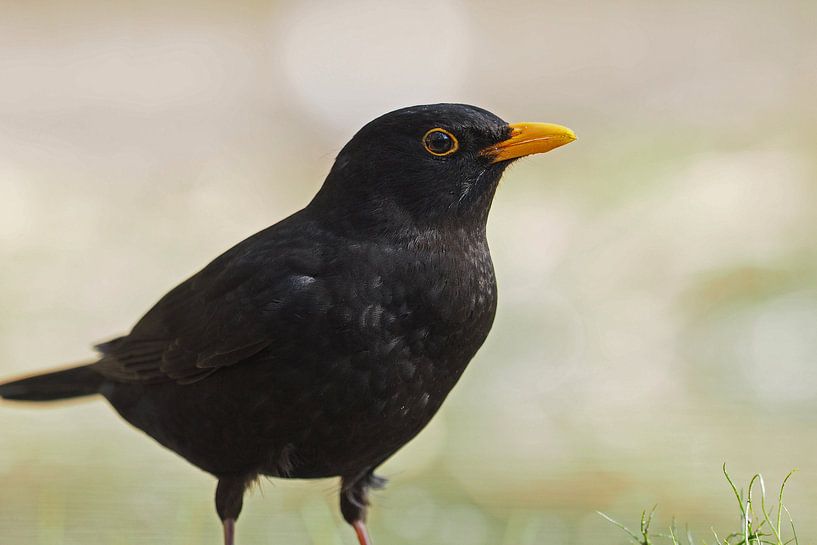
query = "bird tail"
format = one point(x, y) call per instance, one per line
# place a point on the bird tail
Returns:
point(63, 384)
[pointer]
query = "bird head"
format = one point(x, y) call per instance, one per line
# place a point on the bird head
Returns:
point(429, 166)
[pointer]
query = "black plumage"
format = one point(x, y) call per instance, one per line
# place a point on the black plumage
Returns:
point(322, 344)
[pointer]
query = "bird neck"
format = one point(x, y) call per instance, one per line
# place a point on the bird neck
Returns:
point(351, 209)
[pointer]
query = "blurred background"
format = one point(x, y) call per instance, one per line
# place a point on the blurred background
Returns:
point(658, 278)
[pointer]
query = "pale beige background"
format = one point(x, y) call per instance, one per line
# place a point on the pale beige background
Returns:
point(658, 278)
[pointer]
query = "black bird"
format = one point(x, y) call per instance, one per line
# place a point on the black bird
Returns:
point(321, 345)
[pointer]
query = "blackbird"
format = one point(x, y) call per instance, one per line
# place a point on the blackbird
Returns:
point(322, 344)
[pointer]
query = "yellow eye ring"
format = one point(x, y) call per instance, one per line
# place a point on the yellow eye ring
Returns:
point(440, 142)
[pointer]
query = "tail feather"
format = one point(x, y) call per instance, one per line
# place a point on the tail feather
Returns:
point(74, 382)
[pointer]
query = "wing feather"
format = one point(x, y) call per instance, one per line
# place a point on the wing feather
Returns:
point(231, 311)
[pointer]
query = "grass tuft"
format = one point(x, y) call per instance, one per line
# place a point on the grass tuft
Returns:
point(759, 525)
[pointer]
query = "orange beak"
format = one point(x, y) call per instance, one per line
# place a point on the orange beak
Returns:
point(529, 138)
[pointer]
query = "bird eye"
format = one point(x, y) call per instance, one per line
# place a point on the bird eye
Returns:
point(440, 142)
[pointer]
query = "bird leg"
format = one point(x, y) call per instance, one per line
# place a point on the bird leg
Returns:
point(229, 500)
point(354, 502)
point(229, 531)
point(362, 532)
